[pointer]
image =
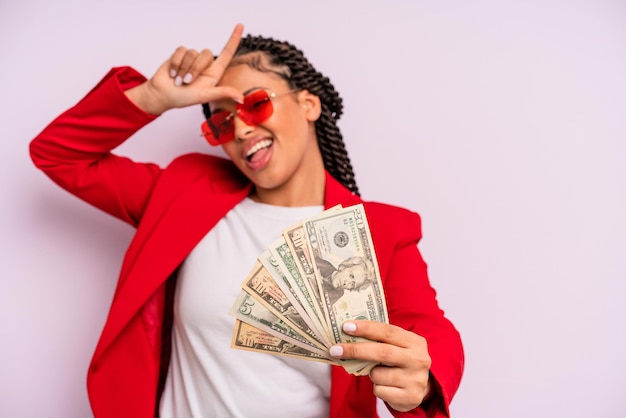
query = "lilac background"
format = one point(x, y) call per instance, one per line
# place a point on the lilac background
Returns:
point(501, 122)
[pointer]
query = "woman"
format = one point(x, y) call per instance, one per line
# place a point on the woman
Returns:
point(165, 346)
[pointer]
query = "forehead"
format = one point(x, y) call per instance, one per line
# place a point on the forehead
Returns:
point(243, 78)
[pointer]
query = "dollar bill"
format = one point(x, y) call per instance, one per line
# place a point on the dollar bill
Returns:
point(295, 238)
point(287, 264)
point(293, 293)
point(317, 275)
point(344, 260)
point(261, 285)
point(250, 311)
point(247, 337)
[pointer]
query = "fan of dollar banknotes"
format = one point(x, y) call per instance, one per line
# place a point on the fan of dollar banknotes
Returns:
point(317, 275)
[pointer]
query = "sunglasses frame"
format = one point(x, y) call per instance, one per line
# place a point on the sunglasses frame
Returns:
point(222, 131)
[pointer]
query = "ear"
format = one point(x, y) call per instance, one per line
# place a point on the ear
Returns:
point(311, 104)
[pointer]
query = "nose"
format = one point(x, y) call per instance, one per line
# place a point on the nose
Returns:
point(242, 130)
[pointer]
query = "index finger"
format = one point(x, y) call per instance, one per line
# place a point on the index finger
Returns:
point(384, 333)
point(228, 52)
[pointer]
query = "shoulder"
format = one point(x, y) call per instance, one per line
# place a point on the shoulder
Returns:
point(385, 209)
point(387, 213)
point(209, 173)
point(197, 165)
point(389, 222)
point(201, 162)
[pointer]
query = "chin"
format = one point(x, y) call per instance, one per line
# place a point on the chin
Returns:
point(266, 180)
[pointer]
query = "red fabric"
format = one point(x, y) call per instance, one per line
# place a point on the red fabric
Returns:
point(173, 209)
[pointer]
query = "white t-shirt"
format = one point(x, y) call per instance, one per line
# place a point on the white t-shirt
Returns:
point(208, 378)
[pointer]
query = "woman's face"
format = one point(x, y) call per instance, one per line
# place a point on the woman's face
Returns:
point(279, 155)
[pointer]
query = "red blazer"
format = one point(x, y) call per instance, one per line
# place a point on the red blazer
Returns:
point(172, 209)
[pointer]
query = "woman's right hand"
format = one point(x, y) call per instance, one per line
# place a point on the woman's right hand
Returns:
point(188, 78)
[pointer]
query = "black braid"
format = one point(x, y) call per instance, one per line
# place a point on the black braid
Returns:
point(290, 63)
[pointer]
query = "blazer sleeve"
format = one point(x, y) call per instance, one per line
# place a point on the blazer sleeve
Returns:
point(75, 149)
point(412, 304)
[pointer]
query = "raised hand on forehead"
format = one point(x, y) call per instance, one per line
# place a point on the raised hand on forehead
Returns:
point(188, 78)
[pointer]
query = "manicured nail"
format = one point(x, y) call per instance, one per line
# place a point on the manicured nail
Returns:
point(178, 80)
point(349, 326)
point(336, 351)
point(172, 73)
point(187, 78)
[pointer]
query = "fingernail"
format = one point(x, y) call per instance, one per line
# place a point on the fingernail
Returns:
point(336, 351)
point(178, 81)
point(240, 101)
point(187, 78)
point(172, 73)
point(349, 326)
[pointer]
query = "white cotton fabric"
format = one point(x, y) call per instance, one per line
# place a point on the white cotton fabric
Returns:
point(208, 378)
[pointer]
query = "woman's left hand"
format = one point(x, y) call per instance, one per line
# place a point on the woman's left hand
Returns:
point(402, 378)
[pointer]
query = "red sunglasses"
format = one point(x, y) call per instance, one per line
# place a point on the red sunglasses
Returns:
point(256, 108)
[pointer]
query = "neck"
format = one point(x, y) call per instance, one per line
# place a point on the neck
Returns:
point(299, 192)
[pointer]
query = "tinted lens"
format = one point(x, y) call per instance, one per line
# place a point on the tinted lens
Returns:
point(256, 108)
point(219, 128)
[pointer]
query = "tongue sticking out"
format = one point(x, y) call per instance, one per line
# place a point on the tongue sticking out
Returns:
point(259, 155)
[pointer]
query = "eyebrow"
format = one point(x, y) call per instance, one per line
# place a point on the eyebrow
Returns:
point(250, 90)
